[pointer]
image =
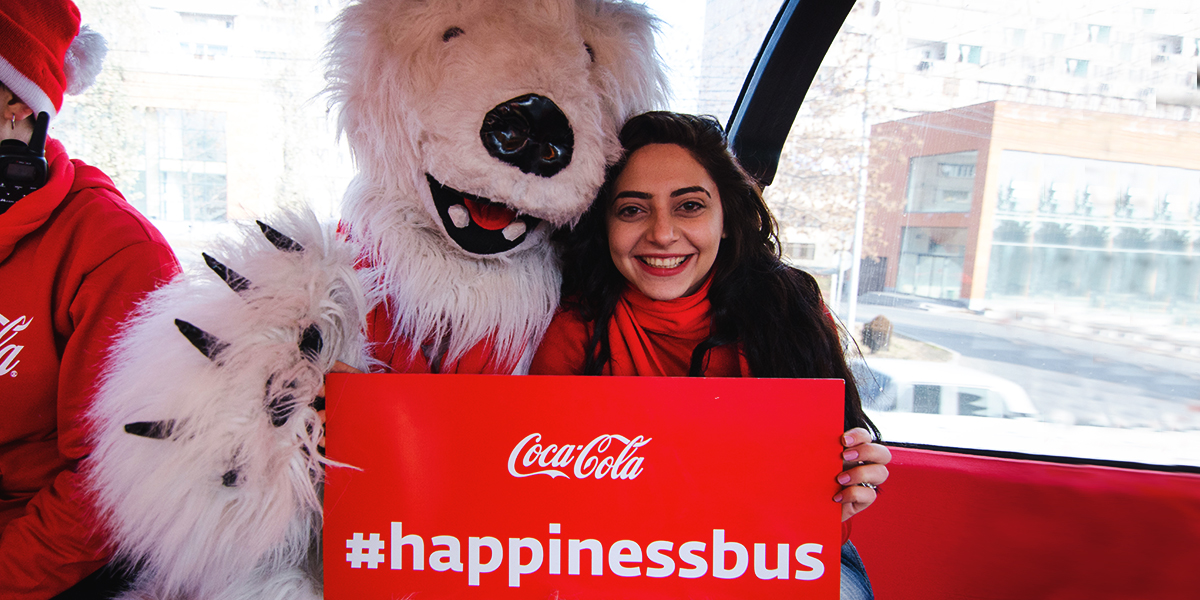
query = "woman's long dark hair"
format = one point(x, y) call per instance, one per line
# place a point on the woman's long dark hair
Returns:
point(773, 310)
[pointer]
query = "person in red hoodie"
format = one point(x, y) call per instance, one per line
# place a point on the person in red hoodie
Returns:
point(675, 271)
point(75, 258)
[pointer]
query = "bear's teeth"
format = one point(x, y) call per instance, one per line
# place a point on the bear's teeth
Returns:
point(514, 230)
point(459, 216)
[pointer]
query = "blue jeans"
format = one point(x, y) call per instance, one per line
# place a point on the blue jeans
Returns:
point(855, 583)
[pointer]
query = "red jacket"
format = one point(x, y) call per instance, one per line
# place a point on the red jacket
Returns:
point(74, 260)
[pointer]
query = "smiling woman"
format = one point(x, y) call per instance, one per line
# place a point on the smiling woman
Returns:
point(675, 271)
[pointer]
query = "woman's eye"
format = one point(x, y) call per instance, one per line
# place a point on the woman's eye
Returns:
point(692, 206)
point(628, 210)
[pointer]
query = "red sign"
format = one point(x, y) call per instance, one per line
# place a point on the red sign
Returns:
point(486, 486)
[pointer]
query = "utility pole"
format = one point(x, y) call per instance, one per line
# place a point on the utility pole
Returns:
point(860, 213)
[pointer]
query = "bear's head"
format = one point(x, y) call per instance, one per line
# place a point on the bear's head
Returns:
point(478, 126)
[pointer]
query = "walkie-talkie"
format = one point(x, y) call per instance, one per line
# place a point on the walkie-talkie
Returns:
point(23, 167)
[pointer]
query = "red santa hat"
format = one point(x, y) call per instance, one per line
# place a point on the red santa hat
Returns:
point(44, 52)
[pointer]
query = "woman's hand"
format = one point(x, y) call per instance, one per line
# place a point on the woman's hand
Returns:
point(338, 367)
point(863, 461)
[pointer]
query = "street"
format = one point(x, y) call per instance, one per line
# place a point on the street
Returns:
point(1071, 379)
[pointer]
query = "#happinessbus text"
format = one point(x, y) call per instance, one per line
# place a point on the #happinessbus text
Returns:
point(625, 558)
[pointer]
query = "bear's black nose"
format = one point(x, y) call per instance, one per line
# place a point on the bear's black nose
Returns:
point(530, 133)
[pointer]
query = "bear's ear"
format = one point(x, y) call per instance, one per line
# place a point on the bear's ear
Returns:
point(619, 36)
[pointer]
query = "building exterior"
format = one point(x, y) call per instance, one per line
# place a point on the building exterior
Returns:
point(1003, 199)
point(896, 59)
point(215, 108)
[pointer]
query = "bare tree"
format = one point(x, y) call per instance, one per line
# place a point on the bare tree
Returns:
point(816, 189)
point(101, 126)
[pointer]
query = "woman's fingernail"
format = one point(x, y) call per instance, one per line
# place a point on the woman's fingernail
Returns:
point(837, 498)
point(847, 440)
point(850, 454)
point(844, 478)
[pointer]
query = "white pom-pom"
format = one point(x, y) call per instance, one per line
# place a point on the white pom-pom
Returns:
point(84, 60)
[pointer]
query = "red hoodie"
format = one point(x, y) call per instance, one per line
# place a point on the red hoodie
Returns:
point(74, 260)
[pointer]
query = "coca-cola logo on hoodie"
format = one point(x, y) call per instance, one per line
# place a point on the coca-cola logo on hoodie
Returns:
point(609, 456)
point(9, 350)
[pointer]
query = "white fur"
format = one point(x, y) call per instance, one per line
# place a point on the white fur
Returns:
point(164, 499)
point(410, 103)
point(84, 60)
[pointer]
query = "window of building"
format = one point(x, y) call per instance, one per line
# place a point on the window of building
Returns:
point(925, 53)
point(1077, 67)
point(1145, 16)
point(198, 196)
point(941, 183)
point(1099, 34)
point(198, 22)
point(186, 163)
point(799, 250)
point(1014, 37)
point(970, 54)
point(1054, 42)
point(931, 262)
point(205, 36)
point(203, 51)
point(956, 170)
point(1169, 44)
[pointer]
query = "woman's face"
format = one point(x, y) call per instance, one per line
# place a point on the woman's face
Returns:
point(665, 222)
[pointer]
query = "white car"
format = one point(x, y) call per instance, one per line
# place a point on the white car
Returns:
point(915, 386)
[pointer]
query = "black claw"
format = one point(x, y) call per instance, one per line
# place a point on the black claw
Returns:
point(279, 240)
point(311, 342)
point(231, 278)
point(205, 342)
point(230, 478)
point(158, 430)
point(280, 409)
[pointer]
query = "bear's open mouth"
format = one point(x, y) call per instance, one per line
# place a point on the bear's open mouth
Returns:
point(476, 224)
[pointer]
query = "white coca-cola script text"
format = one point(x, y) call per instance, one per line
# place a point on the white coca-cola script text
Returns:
point(9, 350)
point(597, 459)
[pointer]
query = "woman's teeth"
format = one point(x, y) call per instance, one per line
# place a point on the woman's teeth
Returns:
point(663, 263)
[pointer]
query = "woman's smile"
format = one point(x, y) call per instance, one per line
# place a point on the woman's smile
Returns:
point(656, 264)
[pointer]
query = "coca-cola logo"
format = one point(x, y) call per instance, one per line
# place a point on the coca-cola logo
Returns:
point(609, 456)
point(8, 350)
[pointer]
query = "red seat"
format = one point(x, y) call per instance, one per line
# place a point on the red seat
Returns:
point(957, 526)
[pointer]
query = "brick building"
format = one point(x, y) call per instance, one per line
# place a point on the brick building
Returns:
point(1003, 199)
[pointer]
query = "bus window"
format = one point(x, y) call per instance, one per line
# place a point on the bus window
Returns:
point(1016, 191)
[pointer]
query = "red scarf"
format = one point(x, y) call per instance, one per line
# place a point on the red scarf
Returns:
point(657, 337)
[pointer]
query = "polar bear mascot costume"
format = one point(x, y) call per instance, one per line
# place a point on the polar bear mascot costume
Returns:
point(477, 127)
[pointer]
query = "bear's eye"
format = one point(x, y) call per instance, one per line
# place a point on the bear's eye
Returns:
point(451, 33)
point(591, 53)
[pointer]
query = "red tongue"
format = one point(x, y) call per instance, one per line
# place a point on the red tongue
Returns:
point(490, 216)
